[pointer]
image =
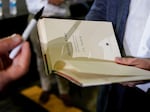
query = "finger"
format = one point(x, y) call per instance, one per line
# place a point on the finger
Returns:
point(5, 62)
point(126, 61)
point(143, 63)
point(132, 83)
point(25, 55)
point(1, 64)
point(21, 62)
point(137, 62)
point(129, 84)
point(7, 44)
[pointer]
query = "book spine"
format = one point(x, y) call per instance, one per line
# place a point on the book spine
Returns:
point(42, 33)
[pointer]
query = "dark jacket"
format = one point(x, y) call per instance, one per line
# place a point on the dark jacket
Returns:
point(115, 11)
point(115, 97)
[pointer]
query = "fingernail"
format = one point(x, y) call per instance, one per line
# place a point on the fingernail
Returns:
point(15, 38)
point(13, 35)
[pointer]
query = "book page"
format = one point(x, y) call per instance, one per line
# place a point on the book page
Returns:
point(64, 39)
point(99, 68)
point(84, 80)
point(99, 43)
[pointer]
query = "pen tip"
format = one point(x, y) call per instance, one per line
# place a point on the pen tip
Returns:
point(39, 13)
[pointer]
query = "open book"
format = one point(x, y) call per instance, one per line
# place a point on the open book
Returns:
point(83, 52)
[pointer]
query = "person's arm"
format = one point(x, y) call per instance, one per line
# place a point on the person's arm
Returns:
point(13, 69)
point(143, 63)
point(97, 11)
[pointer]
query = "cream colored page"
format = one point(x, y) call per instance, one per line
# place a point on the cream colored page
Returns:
point(51, 35)
point(88, 39)
point(50, 29)
point(103, 68)
point(84, 80)
point(94, 40)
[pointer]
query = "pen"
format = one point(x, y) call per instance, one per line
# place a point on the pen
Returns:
point(26, 33)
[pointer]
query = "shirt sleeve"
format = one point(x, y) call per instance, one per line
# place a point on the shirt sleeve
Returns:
point(97, 11)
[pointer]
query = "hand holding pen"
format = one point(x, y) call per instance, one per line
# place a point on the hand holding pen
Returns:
point(26, 33)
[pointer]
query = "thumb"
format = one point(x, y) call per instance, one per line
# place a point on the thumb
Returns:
point(7, 44)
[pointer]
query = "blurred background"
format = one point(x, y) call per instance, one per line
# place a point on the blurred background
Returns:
point(22, 95)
